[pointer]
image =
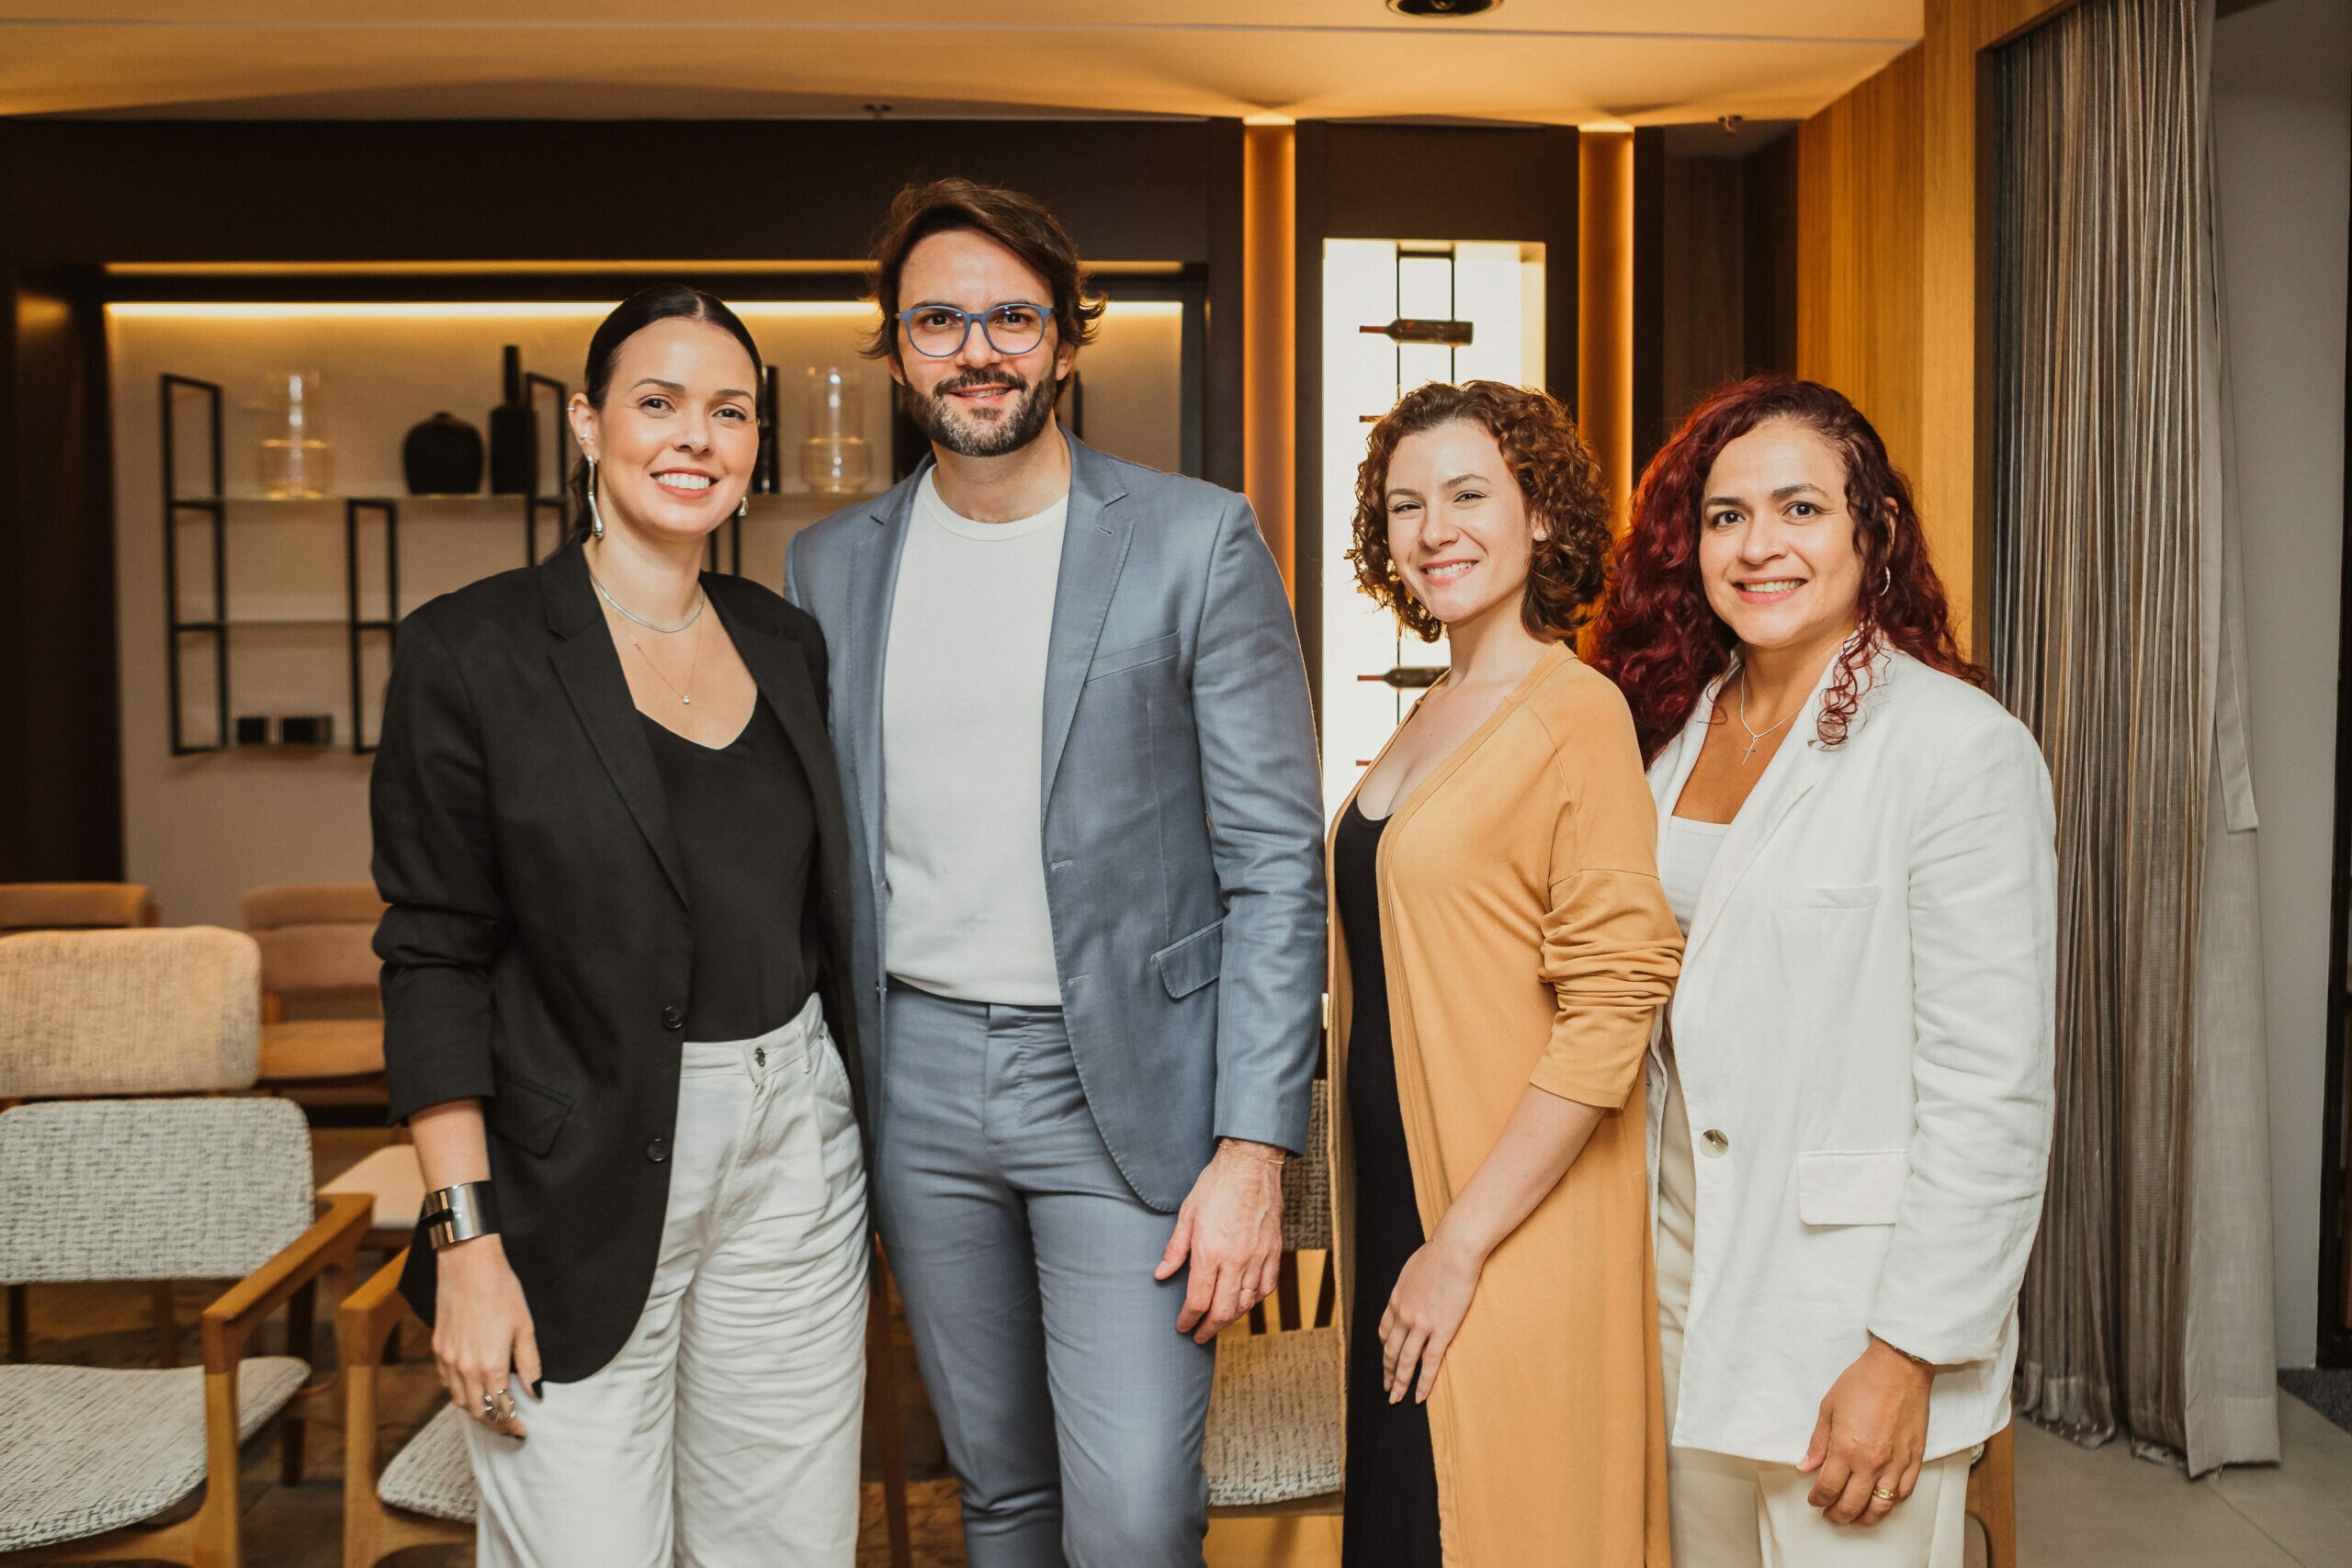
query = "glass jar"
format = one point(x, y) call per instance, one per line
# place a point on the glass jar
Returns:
point(296, 463)
point(834, 458)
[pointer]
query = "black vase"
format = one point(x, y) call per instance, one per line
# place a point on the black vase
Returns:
point(514, 436)
point(442, 457)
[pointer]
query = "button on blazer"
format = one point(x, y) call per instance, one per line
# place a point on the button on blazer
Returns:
point(538, 945)
point(1864, 1025)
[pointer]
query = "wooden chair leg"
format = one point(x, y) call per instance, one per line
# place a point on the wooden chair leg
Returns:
point(167, 1328)
point(882, 1415)
point(1993, 1498)
point(20, 1333)
point(1286, 1290)
point(300, 1308)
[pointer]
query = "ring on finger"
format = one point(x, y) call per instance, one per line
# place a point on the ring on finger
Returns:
point(1884, 1493)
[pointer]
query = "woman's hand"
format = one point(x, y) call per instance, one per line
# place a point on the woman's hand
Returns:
point(1870, 1438)
point(1431, 1296)
point(482, 1339)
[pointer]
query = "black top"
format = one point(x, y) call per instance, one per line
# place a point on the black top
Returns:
point(1391, 1494)
point(538, 951)
point(747, 839)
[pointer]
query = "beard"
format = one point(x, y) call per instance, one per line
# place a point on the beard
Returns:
point(944, 424)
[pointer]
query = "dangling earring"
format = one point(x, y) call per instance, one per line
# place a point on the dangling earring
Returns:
point(743, 507)
point(596, 518)
point(1886, 580)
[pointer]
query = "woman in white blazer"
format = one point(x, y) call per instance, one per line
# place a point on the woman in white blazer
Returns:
point(1851, 1095)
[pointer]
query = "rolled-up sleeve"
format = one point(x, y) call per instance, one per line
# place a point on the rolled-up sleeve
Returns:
point(1611, 948)
point(436, 866)
point(1984, 956)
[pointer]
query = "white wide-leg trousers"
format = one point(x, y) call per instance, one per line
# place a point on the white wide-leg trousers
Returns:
point(724, 1434)
point(1729, 1512)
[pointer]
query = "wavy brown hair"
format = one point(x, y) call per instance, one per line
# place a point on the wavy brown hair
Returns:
point(1566, 569)
point(1662, 642)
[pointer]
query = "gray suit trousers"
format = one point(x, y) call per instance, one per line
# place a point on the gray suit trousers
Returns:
point(1072, 1409)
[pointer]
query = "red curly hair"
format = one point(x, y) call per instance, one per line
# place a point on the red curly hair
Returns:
point(1660, 641)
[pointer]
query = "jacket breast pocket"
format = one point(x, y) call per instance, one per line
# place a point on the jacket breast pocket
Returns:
point(1851, 1187)
point(1135, 656)
point(1185, 966)
point(1859, 896)
point(527, 1116)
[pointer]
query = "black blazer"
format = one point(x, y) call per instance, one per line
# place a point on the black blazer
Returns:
point(538, 946)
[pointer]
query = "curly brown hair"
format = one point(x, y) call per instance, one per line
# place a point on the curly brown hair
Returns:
point(1663, 643)
point(1567, 566)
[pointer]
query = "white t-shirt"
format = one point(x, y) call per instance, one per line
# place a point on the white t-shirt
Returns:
point(1683, 862)
point(963, 764)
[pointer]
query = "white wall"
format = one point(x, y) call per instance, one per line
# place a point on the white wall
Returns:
point(2282, 108)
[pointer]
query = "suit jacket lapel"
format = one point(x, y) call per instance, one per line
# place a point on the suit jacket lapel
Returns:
point(592, 676)
point(1094, 548)
point(874, 589)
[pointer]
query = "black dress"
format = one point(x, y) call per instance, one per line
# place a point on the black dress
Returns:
point(1391, 1515)
point(747, 839)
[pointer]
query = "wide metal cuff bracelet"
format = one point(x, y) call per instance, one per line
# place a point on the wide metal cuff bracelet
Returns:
point(458, 1214)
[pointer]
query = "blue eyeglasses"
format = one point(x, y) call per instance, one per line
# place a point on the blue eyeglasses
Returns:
point(939, 331)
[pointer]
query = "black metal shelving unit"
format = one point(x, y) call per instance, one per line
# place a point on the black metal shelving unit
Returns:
point(211, 506)
point(214, 506)
point(558, 504)
point(357, 628)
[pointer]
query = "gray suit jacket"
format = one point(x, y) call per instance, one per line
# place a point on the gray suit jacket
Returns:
point(1184, 818)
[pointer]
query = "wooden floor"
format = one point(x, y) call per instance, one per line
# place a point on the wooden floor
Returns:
point(2077, 1508)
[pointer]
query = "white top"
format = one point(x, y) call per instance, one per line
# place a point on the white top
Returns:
point(963, 756)
point(1683, 861)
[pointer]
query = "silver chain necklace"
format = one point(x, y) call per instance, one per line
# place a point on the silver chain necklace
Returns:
point(701, 599)
point(1755, 737)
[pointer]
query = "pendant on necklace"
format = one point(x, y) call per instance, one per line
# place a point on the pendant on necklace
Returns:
point(687, 700)
point(1749, 752)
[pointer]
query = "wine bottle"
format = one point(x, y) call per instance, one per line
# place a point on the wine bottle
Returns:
point(1416, 329)
point(514, 436)
point(1409, 677)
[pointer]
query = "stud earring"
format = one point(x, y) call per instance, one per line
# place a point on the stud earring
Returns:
point(596, 518)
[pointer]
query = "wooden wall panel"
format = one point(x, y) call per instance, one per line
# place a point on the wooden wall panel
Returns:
point(1889, 270)
point(1859, 237)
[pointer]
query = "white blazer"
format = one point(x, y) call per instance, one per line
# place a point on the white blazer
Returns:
point(1864, 1030)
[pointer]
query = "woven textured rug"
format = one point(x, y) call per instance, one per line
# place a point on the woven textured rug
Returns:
point(2327, 1390)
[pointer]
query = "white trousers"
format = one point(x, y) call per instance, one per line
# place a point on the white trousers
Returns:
point(1729, 1512)
point(725, 1432)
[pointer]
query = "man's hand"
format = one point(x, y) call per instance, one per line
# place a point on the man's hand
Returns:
point(1870, 1438)
point(1231, 1229)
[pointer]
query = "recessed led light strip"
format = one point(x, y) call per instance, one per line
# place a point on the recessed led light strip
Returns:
point(502, 310)
point(413, 310)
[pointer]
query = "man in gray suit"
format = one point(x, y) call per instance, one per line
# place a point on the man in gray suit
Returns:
point(1073, 727)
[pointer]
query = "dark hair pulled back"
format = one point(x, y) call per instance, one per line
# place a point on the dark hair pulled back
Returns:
point(659, 302)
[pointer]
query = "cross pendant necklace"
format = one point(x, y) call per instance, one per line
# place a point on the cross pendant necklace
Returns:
point(1755, 737)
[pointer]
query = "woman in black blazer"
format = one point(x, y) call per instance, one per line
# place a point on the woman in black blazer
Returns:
point(610, 833)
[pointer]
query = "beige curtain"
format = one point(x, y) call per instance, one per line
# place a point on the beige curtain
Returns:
point(2110, 591)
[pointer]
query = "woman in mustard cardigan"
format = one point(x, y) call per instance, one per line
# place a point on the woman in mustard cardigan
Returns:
point(1499, 946)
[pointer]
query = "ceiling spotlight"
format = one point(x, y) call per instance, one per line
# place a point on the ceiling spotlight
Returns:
point(1731, 123)
point(1447, 8)
point(877, 111)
